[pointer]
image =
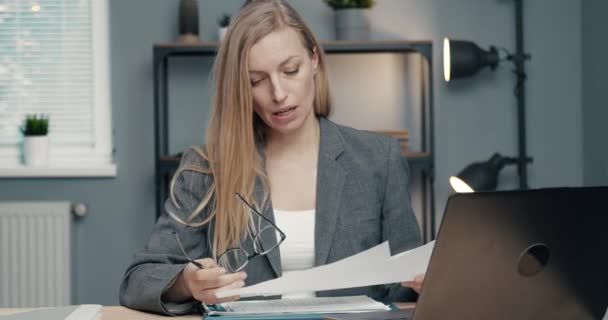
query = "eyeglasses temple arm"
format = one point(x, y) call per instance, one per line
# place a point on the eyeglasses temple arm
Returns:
point(179, 244)
point(261, 215)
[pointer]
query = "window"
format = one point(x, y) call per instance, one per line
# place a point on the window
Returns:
point(54, 59)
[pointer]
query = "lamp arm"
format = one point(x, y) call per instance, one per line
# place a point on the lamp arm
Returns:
point(505, 54)
point(518, 57)
point(509, 160)
point(517, 160)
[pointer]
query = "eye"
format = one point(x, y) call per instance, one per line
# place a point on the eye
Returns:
point(255, 82)
point(292, 71)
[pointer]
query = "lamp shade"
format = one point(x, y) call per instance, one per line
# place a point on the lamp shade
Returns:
point(464, 58)
point(480, 176)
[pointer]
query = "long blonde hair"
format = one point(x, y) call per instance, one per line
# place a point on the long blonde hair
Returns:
point(235, 132)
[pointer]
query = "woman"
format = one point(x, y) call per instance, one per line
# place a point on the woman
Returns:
point(335, 191)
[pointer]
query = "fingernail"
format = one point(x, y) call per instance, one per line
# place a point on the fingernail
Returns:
point(243, 275)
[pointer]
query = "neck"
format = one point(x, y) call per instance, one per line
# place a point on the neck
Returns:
point(305, 140)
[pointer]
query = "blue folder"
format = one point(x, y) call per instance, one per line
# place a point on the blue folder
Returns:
point(271, 316)
point(267, 316)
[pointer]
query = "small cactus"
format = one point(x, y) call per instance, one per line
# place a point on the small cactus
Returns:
point(36, 125)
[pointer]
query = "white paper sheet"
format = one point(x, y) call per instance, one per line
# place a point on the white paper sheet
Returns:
point(371, 267)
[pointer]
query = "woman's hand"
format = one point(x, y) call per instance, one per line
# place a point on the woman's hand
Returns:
point(416, 284)
point(201, 284)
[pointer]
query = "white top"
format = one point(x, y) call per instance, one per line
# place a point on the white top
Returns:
point(298, 249)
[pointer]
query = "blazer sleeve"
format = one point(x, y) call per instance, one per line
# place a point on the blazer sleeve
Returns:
point(399, 224)
point(156, 266)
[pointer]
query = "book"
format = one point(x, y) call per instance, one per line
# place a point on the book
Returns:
point(401, 135)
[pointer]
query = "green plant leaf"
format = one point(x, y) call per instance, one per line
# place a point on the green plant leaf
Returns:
point(35, 125)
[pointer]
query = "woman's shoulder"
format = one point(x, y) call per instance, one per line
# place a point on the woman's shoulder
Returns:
point(195, 156)
point(364, 141)
point(189, 184)
point(193, 170)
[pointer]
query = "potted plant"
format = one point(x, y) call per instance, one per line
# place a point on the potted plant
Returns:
point(351, 18)
point(36, 140)
point(223, 23)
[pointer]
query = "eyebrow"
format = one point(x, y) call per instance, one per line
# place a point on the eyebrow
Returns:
point(280, 65)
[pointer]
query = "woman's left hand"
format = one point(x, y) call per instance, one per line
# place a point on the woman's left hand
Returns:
point(416, 284)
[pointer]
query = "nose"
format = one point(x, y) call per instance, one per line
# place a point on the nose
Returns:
point(278, 91)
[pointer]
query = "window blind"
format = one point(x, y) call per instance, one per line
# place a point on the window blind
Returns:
point(49, 63)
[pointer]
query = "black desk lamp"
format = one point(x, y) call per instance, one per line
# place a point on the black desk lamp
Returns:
point(464, 59)
point(481, 176)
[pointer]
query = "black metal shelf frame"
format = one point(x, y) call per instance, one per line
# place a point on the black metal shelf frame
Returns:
point(165, 167)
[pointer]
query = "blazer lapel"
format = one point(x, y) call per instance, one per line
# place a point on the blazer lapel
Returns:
point(330, 183)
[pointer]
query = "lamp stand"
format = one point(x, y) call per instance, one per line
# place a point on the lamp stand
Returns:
point(520, 93)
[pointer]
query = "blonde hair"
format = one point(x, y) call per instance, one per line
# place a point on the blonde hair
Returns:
point(235, 132)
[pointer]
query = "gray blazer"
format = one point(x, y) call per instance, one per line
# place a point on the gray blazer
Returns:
point(362, 200)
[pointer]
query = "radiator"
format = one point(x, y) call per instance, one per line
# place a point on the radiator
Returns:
point(35, 254)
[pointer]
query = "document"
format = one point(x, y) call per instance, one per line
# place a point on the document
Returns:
point(300, 306)
point(371, 267)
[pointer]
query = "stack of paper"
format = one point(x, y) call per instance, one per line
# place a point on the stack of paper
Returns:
point(371, 267)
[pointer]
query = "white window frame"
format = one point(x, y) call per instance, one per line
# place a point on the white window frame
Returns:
point(74, 163)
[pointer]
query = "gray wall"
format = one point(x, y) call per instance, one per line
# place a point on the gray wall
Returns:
point(595, 112)
point(474, 117)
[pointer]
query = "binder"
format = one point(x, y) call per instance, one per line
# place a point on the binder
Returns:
point(277, 316)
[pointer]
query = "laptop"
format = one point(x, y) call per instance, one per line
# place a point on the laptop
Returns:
point(533, 254)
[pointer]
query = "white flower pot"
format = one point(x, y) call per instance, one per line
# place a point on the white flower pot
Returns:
point(36, 151)
point(221, 33)
point(352, 24)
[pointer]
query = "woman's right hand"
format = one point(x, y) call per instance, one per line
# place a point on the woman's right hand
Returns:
point(201, 284)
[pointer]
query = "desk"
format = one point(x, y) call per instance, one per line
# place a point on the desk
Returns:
point(119, 313)
point(113, 313)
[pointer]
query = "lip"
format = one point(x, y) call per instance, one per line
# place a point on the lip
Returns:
point(282, 119)
point(284, 109)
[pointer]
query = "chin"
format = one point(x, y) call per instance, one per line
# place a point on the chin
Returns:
point(289, 127)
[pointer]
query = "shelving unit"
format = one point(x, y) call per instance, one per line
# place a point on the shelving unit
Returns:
point(422, 161)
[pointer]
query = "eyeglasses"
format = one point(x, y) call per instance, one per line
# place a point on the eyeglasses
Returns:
point(236, 259)
point(179, 244)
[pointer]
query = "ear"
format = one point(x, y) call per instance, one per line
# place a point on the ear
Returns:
point(315, 60)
